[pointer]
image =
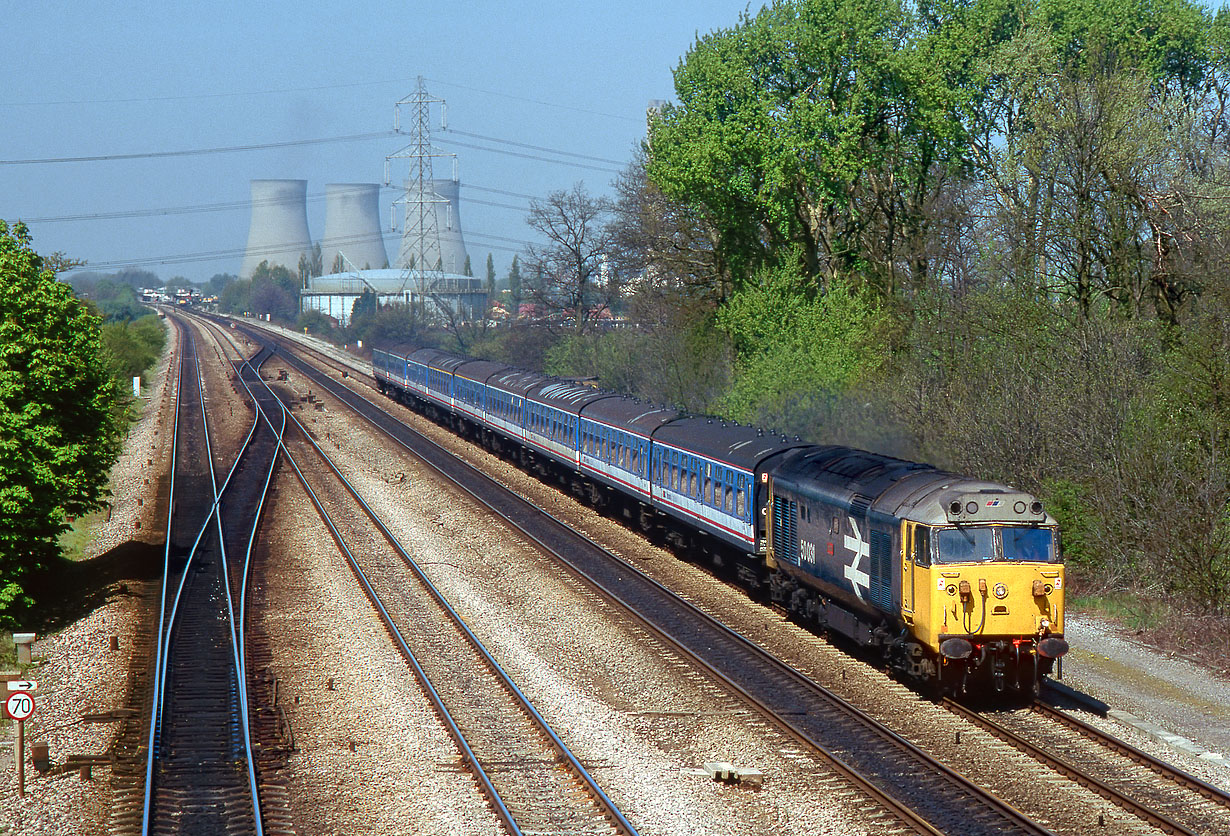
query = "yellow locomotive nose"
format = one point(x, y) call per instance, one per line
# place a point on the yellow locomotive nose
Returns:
point(1015, 600)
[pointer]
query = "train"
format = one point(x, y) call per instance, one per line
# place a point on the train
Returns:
point(953, 582)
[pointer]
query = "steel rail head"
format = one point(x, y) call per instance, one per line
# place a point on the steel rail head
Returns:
point(561, 747)
point(166, 625)
point(493, 795)
point(1166, 770)
point(1058, 764)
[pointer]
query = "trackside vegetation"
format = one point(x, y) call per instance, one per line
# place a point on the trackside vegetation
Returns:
point(987, 234)
point(61, 415)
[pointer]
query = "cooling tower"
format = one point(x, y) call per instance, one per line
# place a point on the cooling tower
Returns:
point(279, 231)
point(352, 227)
point(452, 252)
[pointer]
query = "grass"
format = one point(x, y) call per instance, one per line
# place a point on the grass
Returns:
point(1132, 611)
point(1161, 622)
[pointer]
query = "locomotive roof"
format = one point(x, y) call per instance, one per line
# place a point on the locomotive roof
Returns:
point(400, 350)
point(735, 444)
point(919, 492)
point(630, 413)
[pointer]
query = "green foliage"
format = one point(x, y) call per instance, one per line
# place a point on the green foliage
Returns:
point(315, 323)
point(683, 367)
point(274, 291)
point(134, 346)
point(59, 416)
point(388, 325)
point(1068, 503)
point(815, 130)
point(236, 297)
point(793, 348)
point(216, 283)
point(117, 302)
point(514, 286)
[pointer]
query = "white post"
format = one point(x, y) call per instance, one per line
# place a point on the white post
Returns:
point(136, 387)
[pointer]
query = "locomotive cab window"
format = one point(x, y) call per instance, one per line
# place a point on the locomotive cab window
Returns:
point(982, 543)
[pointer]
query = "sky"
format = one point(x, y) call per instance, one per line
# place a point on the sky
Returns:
point(522, 83)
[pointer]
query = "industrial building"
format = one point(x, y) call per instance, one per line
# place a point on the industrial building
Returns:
point(334, 295)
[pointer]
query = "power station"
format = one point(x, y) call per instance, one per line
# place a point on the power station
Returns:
point(430, 271)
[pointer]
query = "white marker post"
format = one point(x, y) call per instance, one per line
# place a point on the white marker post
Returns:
point(19, 706)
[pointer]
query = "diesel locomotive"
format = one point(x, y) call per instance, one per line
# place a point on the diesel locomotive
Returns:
point(955, 582)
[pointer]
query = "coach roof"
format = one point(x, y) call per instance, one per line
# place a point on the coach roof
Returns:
point(742, 446)
point(630, 413)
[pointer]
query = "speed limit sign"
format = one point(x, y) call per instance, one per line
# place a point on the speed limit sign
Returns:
point(19, 706)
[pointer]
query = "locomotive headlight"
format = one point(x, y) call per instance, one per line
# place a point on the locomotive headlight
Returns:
point(1001, 591)
point(1045, 624)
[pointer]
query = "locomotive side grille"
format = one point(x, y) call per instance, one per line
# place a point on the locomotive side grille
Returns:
point(881, 550)
point(859, 505)
point(785, 531)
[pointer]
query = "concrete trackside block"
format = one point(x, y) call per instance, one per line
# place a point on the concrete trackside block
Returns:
point(23, 642)
point(728, 773)
point(1169, 738)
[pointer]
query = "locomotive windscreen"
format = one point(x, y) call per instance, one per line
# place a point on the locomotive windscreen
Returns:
point(977, 543)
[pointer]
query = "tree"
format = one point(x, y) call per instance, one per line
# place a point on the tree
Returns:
point(60, 420)
point(514, 286)
point(816, 130)
point(662, 244)
point(134, 345)
point(214, 285)
point(490, 277)
point(274, 290)
point(579, 242)
point(467, 270)
point(1086, 134)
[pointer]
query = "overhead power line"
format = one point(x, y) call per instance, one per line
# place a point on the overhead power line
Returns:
point(530, 156)
point(532, 147)
point(199, 96)
point(234, 205)
point(220, 255)
point(196, 152)
point(467, 186)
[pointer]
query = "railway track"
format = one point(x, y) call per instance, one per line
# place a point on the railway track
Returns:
point(922, 795)
point(1181, 804)
point(200, 774)
point(531, 779)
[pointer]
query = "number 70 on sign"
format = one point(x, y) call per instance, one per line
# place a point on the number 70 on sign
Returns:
point(19, 706)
